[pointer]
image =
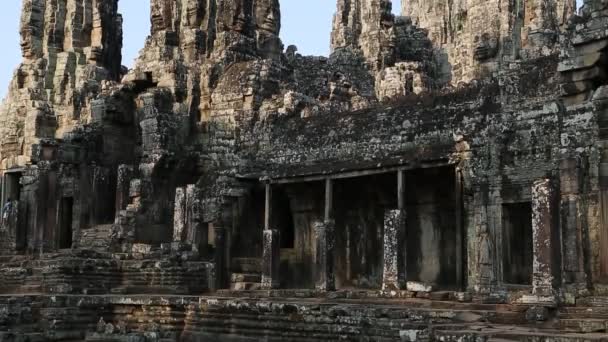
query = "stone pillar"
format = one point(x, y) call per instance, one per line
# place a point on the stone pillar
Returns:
point(485, 245)
point(220, 257)
point(542, 229)
point(325, 243)
point(324, 255)
point(394, 275)
point(271, 259)
point(571, 221)
point(179, 215)
point(192, 216)
point(271, 255)
point(123, 182)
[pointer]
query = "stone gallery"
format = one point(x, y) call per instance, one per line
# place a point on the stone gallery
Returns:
point(441, 176)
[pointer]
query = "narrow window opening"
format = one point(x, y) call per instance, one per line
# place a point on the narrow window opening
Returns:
point(433, 256)
point(65, 223)
point(284, 219)
point(12, 187)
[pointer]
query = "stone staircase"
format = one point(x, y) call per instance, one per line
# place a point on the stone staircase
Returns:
point(246, 274)
point(590, 315)
point(96, 238)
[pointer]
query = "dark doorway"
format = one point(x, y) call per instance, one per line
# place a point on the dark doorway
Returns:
point(517, 243)
point(433, 232)
point(12, 187)
point(360, 205)
point(65, 222)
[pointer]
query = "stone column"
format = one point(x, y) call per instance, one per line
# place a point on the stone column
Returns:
point(179, 215)
point(192, 219)
point(123, 182)
point(603, 207)
point(324, 255)
point(393, 277)
point(571, 221)
point(542, 228)
point(484, 244)
point(325, 244)
point(271, 255)
point(271, 259)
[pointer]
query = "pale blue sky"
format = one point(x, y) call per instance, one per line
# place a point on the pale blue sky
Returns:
point(306, 23)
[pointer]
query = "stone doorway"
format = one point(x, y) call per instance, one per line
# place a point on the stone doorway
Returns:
point(12, 187)
point(360, 207)
point(517, 243)
point(66, 211)
point(434, 229)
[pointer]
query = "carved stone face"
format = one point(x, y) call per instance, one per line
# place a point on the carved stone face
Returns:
point(195, 11)
point(27, 41)
point(268, 16)
point(161, 15)
point(236, 15)
point(486, 47)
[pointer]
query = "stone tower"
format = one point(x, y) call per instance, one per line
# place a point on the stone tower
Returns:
point(69, 49)
point(472, 37)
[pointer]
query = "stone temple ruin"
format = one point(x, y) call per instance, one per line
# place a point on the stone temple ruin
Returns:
point(441, 176)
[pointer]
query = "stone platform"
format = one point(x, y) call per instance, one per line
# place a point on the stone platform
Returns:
point(222, 318)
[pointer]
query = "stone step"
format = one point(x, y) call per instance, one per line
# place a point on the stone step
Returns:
point(245, 277)
point(247, 265)
point(583, 312)
point(513, 333)
point(586, 325)
point(595, 301)
point(244, 286)
point(30, 288)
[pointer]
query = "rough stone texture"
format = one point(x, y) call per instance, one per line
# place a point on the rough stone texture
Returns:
point(324, 255)
point(543, 230)
point(394, 273)
point(139, 195)
point(270, 259)
point(474, 38)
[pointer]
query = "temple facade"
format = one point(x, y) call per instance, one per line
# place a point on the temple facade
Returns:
point(441, 176)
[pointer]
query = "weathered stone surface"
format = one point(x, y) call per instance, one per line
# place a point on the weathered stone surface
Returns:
point(471, 38)
point(394, 272)
point(181, 199)
point(324, 255)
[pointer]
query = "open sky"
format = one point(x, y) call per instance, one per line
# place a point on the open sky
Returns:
point(306, 23)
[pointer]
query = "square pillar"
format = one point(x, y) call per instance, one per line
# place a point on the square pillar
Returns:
point(271, 259)
point(394, 275)
point(486, 280)
point(271, 254)
point(571, 222)
point(123, 182)
point(179, 215)
point(543, 216)
point(324, 255)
